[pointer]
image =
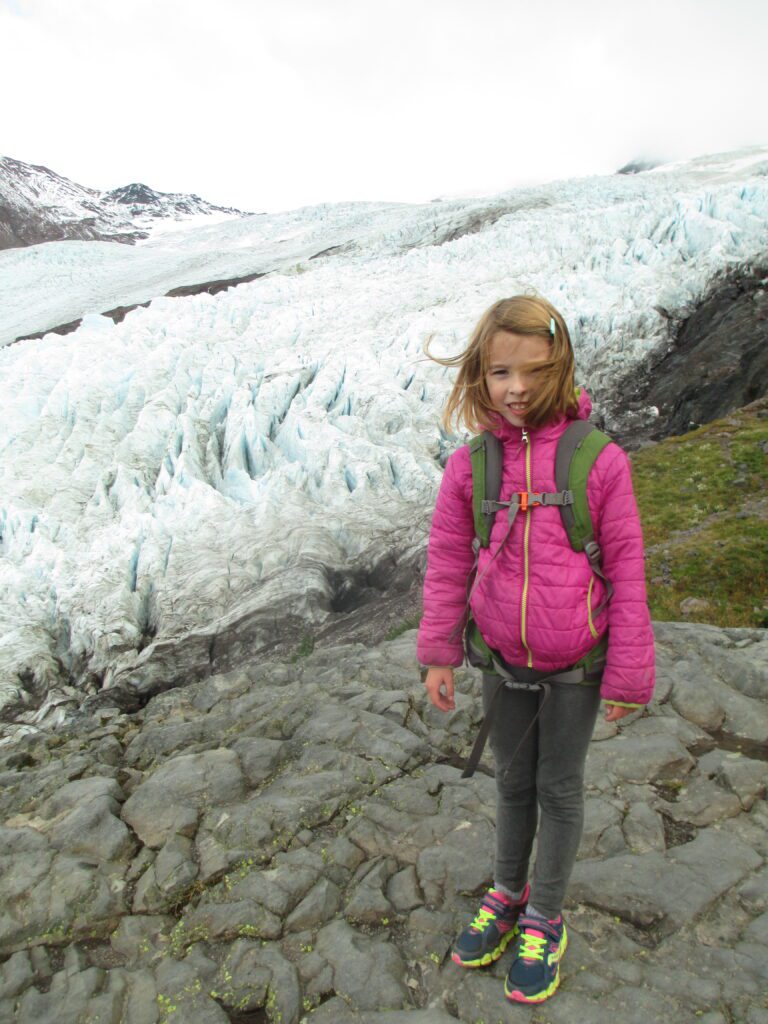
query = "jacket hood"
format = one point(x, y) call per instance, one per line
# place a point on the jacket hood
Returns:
point(506, 430)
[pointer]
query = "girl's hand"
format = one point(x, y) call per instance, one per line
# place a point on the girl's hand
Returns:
point(439, 684)
point(613, 712)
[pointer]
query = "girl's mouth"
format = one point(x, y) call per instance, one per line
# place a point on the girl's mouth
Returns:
point(515, 408)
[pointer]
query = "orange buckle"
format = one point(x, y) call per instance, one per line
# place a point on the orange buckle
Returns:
point(523, 495)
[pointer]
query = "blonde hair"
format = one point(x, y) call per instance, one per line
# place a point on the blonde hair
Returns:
point(469, 402)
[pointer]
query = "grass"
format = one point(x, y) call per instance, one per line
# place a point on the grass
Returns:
point(402, 627)
point(305, 648)
point(703, 500)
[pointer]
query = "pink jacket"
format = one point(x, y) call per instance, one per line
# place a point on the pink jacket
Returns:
point(540, 615)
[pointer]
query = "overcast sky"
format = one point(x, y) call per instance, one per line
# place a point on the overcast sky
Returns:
point(273, 104)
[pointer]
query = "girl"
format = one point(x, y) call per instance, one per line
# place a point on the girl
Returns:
point(535, 602)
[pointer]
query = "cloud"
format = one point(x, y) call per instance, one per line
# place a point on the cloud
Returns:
point(275, 104)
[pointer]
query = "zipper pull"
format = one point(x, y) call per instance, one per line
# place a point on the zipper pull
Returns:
point(526, 439)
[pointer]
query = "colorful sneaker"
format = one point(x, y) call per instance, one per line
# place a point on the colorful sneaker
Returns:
point(491, 931)
point(535, 971)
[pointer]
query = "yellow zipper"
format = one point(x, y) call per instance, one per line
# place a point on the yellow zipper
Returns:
point(527, 441)
point(592, 629)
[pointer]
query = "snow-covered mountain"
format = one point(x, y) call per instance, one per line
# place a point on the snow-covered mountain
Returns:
point(38, 205)
point(215, 473)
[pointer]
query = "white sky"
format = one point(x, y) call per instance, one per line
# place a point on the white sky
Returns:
point(273, 104)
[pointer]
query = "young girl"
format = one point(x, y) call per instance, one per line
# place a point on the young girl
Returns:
point(536, 603)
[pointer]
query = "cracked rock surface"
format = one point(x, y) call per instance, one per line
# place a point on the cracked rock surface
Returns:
point(294, 842)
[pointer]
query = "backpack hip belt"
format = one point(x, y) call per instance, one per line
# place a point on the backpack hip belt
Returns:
point(586, 672)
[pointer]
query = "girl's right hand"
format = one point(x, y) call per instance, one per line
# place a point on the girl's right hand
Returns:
point(439, 684)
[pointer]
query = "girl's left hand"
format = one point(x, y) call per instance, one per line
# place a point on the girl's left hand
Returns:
point(613, 712)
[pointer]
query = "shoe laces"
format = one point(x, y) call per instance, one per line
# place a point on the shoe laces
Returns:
point(532, 945)
point(533, 936)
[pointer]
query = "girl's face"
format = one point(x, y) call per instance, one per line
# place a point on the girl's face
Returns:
point(508, 388)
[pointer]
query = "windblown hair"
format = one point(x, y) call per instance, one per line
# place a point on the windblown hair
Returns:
point(469, 402)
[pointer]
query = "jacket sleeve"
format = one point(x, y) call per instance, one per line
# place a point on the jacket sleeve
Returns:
point(449, 563)
point(630, 672)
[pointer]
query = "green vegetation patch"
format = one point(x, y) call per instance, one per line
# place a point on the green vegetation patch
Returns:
point(402, 627)
point(703, 500)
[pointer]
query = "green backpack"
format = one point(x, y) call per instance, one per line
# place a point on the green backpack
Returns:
point(577, 450)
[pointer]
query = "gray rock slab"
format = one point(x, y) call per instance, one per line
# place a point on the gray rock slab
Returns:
point(16, 974)
point(186, 986)
point(746, 776)
point(364, 734)
point(109, 751)
point(601, 821)
point(147, 898)
point(210, 779)
point(367, 971)
point(478, 995)
point(82, 818)
point(217, 921)
point(627, 758)
point(664, 890)
point(664, 721)
point(159, 741)
point(69, 998)
point(368, 906)
point(318, 906)
point(695, 700)
point(283, 998)
point(259, 757)
point(175, 868)
point(643, 829)
point(403, 890)
point(408, 1017)
point(757, 931)
point(51, 898)
point(701, 802)
point(243, 979)
point(429, 935)
point(745, 717)
point(753, 892)
point(461, 863)
point(141, 938)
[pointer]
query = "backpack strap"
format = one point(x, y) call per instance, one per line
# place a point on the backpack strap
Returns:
point(577, 450)
point(486, 454)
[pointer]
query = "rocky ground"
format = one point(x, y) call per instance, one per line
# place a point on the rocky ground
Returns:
point(295, 843)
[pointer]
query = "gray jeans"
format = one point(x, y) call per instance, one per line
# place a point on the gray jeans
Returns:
point(548, 773)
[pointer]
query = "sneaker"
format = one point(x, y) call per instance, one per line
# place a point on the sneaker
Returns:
point(491, 931)
point(535, 971)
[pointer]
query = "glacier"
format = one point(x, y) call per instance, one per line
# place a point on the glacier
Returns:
point(180, 489)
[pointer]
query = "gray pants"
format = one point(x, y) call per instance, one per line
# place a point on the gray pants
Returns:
point(548, 773)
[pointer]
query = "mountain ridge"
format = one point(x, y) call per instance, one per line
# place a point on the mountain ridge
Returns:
point(39, 205)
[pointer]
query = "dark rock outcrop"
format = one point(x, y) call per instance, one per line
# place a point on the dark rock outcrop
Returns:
point(716, 362)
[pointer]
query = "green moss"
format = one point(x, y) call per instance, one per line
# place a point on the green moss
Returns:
point(703, 500)
point(403, 627)
point(305, 648)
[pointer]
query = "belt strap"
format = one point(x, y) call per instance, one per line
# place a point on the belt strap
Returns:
point(508, 681)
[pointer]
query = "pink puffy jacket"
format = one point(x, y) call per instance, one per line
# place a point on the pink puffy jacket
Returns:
point(535, 603)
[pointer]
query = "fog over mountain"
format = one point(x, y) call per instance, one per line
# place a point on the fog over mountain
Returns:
point(246, 449)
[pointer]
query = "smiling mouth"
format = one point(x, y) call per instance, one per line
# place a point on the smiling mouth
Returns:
point(515, 408)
